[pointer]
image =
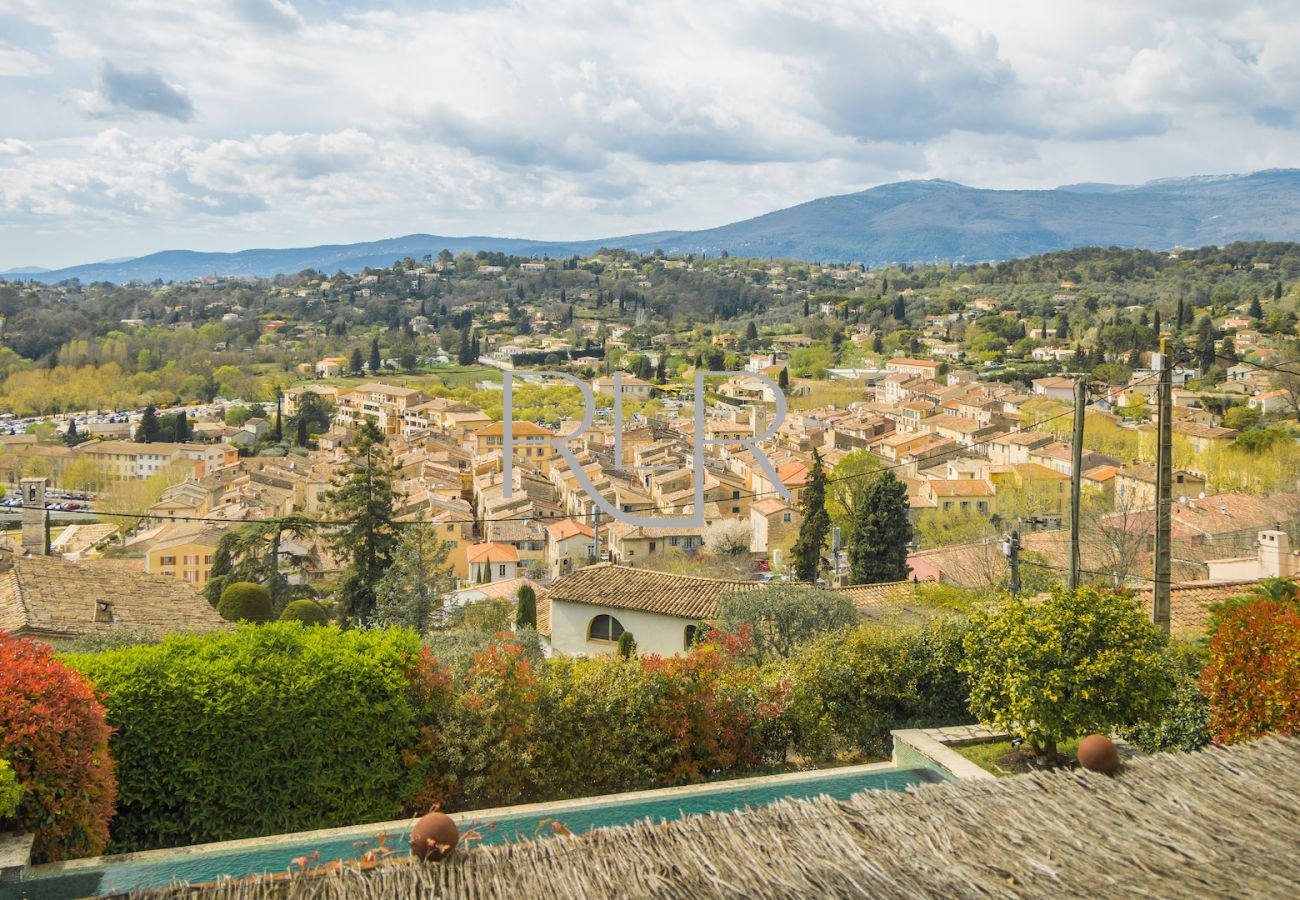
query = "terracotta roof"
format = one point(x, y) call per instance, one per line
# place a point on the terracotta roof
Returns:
point(517, 430)
point(48, 596)
point(491, 553)
point(622, 587)
point(1189, 604)
point(567, 528)
point(870, 595)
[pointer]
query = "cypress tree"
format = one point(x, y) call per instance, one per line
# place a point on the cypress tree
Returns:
point(881, 532)
point(374, 356)
point(816, 524)
point(526, 607)
point(355, 362)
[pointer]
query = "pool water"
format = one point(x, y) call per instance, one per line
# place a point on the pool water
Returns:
point(276, 855)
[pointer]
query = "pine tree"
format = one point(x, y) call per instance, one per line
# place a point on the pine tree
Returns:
point(147, 431)
point(363, 497)
point(751, 331)
point(880, 532)
point(816, 525)
point(375, 362)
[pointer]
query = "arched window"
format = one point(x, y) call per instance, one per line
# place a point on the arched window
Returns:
point(604, 628)
point(689, 640)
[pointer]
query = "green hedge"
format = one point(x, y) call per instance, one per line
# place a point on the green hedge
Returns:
point(262, 730)
point(848, 689)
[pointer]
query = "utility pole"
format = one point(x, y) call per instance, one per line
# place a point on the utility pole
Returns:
point(1011, 548)
point(1076, 477)
point(1164, 477)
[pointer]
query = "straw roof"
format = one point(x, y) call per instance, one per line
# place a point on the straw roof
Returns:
point(1217, 823)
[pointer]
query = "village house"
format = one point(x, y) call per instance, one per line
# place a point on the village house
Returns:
point(1135, 485)
point(570, 545)
point(923, 368)
point(383, 404)
point(490, 562)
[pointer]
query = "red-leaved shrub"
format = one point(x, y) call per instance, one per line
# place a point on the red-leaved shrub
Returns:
point(53, 733)
point(1253, 676)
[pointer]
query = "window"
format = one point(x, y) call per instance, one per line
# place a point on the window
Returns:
point(674, 541)
point(168, 561)
point(501, 570)
point(604, 628)
point(690, 636)
point(787, 517)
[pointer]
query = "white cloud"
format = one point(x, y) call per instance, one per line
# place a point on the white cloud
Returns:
point(271, 121)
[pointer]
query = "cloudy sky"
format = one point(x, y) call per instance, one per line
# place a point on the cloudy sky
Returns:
point(130, 126)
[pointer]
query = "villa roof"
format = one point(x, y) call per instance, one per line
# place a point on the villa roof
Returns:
point(1213, 823)
point(623, 587)
point(491, 553)
point(52, 597)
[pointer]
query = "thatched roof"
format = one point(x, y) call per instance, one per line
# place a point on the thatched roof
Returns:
point(1222, 822)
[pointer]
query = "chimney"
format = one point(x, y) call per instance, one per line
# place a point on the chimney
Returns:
point(1275, 556)
point(35, 517)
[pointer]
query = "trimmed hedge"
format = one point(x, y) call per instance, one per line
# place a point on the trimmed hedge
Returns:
point(266, 729)
point(308, 612)
point(52, 733)
point(245, 601)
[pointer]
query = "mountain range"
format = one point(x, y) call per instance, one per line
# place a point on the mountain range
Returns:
point(903, 222)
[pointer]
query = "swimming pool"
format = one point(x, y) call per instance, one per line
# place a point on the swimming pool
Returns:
point(209, 862)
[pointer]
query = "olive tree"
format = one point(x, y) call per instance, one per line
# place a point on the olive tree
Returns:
point(780, 617)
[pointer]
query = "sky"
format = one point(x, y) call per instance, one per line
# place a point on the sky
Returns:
point(132, 126)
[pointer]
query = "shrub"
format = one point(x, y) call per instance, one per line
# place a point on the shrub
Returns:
point(1079, 662)
point(1182, 723)
point(308, 612)
point(53, 735)
point(516, 731)
point(257, 731)
point(782, 616)
point(10, 791)
point(1253, 677)
point(850, 688)
point(626, 645)
point(245, 601)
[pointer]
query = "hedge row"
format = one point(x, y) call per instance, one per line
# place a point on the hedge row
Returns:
point(262, 730)
point(279, 728)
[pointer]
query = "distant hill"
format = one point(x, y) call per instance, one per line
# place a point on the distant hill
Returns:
point(910, 221)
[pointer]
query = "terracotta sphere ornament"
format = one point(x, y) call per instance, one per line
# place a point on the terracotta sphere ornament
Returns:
point(1097, 753)
point(434, 836)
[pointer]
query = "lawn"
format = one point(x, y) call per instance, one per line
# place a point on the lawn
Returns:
point(987, 756)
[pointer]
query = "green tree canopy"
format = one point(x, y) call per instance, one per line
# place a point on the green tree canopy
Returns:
point(1077, 663)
